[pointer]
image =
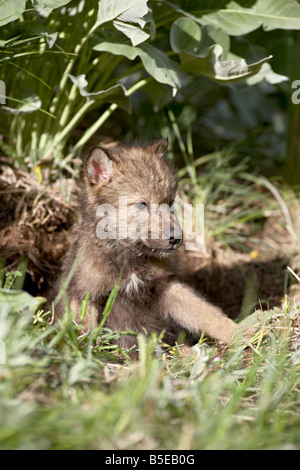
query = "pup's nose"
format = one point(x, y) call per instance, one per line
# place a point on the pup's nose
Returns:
point(174, 241)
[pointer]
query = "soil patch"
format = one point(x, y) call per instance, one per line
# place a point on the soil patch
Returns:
point(35, 222)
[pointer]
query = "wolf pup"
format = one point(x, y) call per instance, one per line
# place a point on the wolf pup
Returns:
point(127, 191)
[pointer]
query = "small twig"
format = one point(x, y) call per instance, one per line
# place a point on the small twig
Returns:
point(293, 273)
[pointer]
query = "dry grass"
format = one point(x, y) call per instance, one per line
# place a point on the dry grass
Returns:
point(35, 222)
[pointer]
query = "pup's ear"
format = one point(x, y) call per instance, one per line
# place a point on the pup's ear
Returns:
point(99, 166)
point(160, 147)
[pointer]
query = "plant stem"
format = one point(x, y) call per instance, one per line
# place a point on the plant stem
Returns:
point(97, 124)
point(187, 159)
point(61, 137)
point(91, 131)
point(68, 69)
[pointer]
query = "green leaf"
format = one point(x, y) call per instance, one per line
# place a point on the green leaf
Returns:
point(127, 16)
point(243, 16)
point(128, 11)
point(115, 94)
point(33, 28)
point(284, 14)
point(159, 94)
point(266, 73)
point(11, 10)
point(150, 23)
point(159, 66)
point(27, 102)
point(231, 17)
point(50, 3)
point(212, 67)
point(185, 35)
point(200, 52)
point(134, 33)
point(156, 62)
point(50, 38)
point(18, 300)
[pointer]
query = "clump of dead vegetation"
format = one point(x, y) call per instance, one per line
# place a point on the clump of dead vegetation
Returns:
point(35, 221)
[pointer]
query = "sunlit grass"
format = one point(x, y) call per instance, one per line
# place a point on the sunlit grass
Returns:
point(63, 388)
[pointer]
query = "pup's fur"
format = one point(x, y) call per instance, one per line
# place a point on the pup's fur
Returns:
point(152, 296)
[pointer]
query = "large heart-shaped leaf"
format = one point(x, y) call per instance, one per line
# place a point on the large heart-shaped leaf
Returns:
point(128, 11)
point(11, 10)
point(201, 51)
point(284, 14)
point(238, 17)
point(220, 70)
point(127, 16)
point(187, 35)
point(134, 33)
point(156, 62)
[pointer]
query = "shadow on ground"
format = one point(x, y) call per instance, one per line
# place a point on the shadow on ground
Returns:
point(240, 287)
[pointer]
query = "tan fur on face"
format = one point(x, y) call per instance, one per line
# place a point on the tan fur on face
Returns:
point(151, 296)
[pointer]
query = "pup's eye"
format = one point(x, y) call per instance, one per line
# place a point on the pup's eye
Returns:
point(141, 205)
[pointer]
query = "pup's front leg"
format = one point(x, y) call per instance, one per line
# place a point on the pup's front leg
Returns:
point(195, 314)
